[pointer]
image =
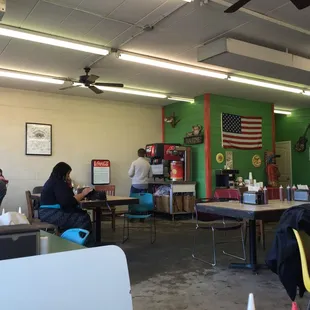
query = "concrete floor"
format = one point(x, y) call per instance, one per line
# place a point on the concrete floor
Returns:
point(164, 275)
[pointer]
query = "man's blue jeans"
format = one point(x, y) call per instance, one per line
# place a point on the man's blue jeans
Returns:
point(134, 190)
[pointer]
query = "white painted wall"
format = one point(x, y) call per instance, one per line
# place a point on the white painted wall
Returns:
point(83, 129)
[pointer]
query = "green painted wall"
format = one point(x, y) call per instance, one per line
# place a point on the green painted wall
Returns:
point(242, 158)
point(189, 114)
point(290, 128)
point(192, 114)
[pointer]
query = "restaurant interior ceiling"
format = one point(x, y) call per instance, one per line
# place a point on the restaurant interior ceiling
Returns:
point(173, 30)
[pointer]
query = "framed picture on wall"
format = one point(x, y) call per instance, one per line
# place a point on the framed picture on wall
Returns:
point(38, 139)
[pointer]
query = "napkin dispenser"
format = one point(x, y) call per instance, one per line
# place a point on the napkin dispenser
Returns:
point(253, 198)
point(301, 195)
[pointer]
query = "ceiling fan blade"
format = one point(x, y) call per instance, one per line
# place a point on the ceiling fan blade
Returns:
point(95, 90)
point(238, 5)
point(68, 87)
point(110, 84)
point(301, 4)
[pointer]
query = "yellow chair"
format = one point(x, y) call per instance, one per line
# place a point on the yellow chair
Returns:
point(303, 241)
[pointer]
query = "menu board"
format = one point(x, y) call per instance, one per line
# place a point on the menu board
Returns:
point(100, 171)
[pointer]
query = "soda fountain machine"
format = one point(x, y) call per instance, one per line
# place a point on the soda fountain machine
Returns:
point(170, 161)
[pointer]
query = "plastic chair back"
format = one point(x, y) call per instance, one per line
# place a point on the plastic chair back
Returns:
point(303, 241)
point(37, 190)
point(76, 235)
point(146, 203)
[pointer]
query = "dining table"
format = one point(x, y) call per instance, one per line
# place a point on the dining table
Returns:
point(100, 205)
point(270, 212)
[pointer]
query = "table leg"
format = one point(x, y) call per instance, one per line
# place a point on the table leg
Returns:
point(252, 250)
point(98, 225)
point(113, 218)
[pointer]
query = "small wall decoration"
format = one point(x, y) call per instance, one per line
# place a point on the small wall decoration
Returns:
point(38, 139)
point(100, 171)
point(195, 136)
point(256, 161)
point(172, 120)
point(219, 158)
point(229, 160)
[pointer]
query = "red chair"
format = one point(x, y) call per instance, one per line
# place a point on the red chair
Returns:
point(207, 221)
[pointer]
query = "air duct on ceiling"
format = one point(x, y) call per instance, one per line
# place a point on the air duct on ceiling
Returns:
point(246, 57)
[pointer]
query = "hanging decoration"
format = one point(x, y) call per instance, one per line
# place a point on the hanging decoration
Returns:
point(220, 158)
point(256, 161)
point(172, 120)
point(195, 136)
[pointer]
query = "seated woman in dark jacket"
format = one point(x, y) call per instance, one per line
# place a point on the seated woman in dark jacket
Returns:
point(59, 205)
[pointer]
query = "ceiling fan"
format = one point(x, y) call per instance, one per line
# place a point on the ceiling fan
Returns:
point(300, 5)
point(89, 80)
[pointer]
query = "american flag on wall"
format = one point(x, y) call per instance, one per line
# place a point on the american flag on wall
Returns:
point(241, 132)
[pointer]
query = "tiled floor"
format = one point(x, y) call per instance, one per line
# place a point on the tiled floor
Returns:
point(164, 275)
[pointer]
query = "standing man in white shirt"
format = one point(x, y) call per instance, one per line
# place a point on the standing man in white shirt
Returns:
point(140, 171)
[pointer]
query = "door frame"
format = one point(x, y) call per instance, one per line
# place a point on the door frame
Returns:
point(291, 165)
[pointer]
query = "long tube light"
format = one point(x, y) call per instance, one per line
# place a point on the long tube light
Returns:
point(129, 91)
point(265, 84)
point(45, 39)
point(283, 112)
point(29, 77)
point(174, 98)
point(171, 65)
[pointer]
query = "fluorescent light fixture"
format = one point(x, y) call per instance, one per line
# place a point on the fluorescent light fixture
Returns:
point(265, 84)
point(29, 77)
point(181, 99)
point(306, 93)
point(188, 0)
point(282, 112)
point(44, 39)
point(171, 66)
point(129, 91)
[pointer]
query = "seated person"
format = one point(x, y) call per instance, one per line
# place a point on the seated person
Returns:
point(2, 178)
point(3, 190)
point(59, 205)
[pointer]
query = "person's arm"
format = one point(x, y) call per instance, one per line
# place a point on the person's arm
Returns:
point(65, 197)
point(131, 171)
point(82, 195)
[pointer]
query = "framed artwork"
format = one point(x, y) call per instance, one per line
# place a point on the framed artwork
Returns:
point(38, 139)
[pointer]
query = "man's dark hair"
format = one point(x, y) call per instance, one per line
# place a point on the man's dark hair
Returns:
point(1, 171)
point(60, 171)
point(141, 153)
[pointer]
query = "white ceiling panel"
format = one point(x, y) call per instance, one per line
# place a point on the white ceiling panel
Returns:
point(17, 11)
point(130, 34)
point(100, 7)
point(134, 10)
point(67, 3)
point(161, 12)
point(106, 31)
point(292, 15)
point(78, 24)
point(263, 6)
point(46, 17)
point(175, 35)
point(39, 58)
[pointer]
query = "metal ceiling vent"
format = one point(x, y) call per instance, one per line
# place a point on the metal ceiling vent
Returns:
point(2, 8)
point(251, 58)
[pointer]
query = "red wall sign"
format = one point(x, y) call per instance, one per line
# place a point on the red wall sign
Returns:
point(101, 171)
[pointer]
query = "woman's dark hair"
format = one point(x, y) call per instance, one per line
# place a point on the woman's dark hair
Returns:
point(60, 170)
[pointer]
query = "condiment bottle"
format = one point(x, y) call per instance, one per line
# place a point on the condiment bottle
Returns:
point(288, 193)
point(265, 196)
point(281, 193)
point(293, 192)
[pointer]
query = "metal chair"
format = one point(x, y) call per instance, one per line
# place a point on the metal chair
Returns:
point(35, 221)
point(37, 190)
point(143, 211)
point(207, 221)
point(110, 191)
point(303, 241)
